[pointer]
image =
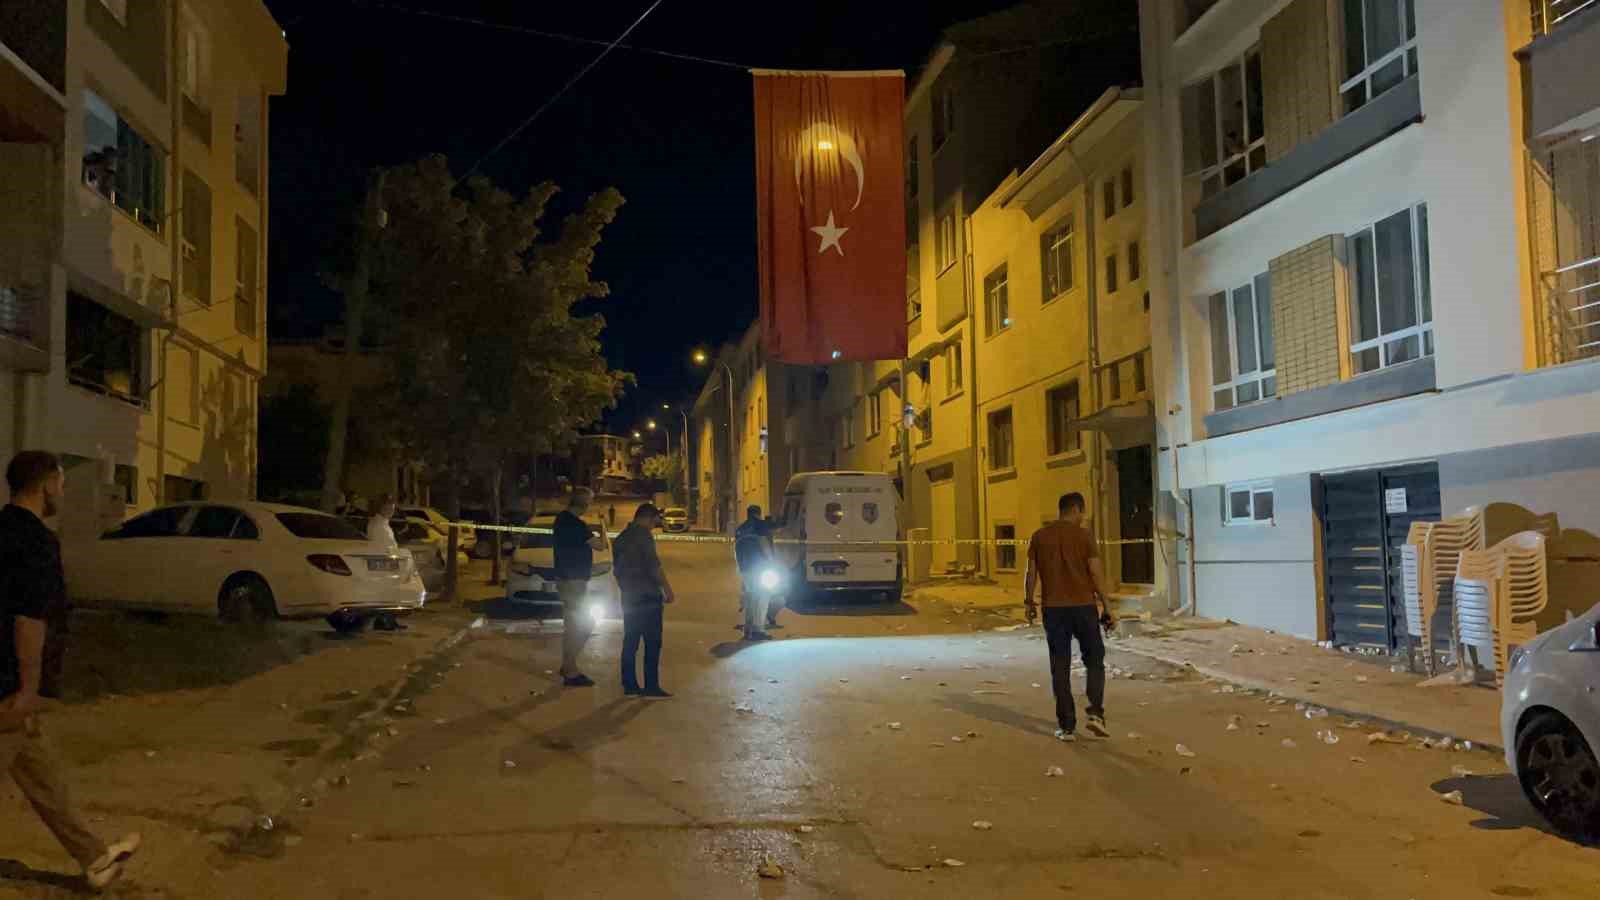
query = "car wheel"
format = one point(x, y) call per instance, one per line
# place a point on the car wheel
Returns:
point(347, 623)
point(246, 599)
point(1560, 776)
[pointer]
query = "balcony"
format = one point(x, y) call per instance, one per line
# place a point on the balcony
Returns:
point(1562, 93)
point(1564, 219)
point(33, 62)
point(23, 326)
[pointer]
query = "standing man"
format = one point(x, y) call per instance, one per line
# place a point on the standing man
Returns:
point(1063, 556)
point(645, 592)
point(380, 532)
point(752, 550)
point(574, 550)
point(33, 635)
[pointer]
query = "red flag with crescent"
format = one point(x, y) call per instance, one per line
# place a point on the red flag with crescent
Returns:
point(830, 198)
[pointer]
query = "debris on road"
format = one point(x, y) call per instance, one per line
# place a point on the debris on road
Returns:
point(1328, 737)
point(1185, 752)
point(510, 764)
point(1384, 737)
point(1453, 798)
point(905, 677)
point(894, 726)
point(844, 681)
point(806, 829)
point(744, 708)
point(1288, 744)
point(1037, 684)
point(1135, 736)
point(989, 693)
point(680, 780)
point(1054, 772)
point(772, 681)
point(954, 863)
point(1461, 772)
point(1357, 760)
point(983, 825)
point(1361, 679)
point(956, 739)
point(769, 869)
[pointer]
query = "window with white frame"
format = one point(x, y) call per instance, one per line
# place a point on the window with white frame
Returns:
point(997, 300)
point(947, 241)
point(1055, 250)
point(874, 413)
point(1243, 359)
point(1001, 446)
point(1391, 310)
point(1380, 48)
point(1224, 126)
point(1249, 503)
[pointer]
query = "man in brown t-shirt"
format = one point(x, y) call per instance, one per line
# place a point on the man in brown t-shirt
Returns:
point(1063, 560)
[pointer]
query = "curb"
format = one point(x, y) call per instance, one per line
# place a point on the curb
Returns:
point(1300, 697)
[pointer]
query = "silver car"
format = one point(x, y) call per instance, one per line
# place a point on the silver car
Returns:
point(1550, 724)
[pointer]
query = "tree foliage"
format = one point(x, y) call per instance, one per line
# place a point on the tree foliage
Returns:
point(666, 468)
point(474, 305)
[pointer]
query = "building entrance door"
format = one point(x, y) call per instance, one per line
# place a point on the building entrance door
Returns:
point(1136, 511)
point(942, 525)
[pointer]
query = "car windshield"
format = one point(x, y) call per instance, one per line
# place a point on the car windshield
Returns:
point(675, 512)
point(319, 526)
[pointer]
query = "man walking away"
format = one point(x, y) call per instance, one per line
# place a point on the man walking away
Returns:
point(1063, 559)
point(33, 633)
point(574, 550)
point(752, 550)
point(644, 593)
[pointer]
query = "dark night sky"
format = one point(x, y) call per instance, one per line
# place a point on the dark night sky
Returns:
point(373, 84)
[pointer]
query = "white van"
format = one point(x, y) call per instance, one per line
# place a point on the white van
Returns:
point(853, 508)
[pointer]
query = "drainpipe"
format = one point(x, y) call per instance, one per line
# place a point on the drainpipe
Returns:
point(969, 361)
point(1092, 333)
point(174, 245)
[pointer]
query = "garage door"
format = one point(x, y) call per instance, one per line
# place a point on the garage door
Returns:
point(1365, 518)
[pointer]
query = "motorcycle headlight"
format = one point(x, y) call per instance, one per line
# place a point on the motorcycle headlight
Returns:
point(769, 579)
point(596, 613)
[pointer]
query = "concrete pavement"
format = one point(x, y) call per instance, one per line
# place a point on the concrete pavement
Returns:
point(858, 753)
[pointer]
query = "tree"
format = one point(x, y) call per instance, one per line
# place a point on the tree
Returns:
point(668, 469)
point(290, 464)
point(486, 358)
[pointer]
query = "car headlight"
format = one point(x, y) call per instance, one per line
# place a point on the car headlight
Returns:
point(769, 579)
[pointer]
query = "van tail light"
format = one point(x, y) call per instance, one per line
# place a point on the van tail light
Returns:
point(331, 563)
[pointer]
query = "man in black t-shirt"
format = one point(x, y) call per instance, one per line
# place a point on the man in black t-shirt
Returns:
point(574, 551)
point(33, 633)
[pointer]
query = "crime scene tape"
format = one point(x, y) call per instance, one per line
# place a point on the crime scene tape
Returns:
point(686, 538)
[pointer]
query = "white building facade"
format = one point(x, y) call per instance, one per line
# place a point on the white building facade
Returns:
point(1371, 224)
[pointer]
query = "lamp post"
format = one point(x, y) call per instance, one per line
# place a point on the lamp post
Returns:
point(701, 358)
point(684, 460)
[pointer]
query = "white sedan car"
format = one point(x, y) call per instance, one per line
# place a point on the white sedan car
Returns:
point(532, 572)
point(466, 537)
point(1550, 724)
point(244, 561)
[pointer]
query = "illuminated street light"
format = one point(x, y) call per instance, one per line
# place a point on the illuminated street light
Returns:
point(637, 436)
point(651, 424)
point(700, 357)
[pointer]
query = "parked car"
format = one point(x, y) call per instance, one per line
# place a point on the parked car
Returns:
point(483, 547)
point(466, 536)
point(531, 578)
point(244, 561)
point(428, 549)
point(1550, 724)
point(675, 519)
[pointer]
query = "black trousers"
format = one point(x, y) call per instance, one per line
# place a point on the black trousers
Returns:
point(1062, 625)
point(641, 622)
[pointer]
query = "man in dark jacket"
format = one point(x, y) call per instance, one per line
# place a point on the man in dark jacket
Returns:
point(752, 550)
point(574, 564)
point(33, 634)
point(645, 591)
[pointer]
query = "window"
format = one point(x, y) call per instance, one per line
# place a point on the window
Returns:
point(195, 216)
point(944, 117)
point(847, 429)
point(161, 522)
point(1108, 198)
point(195, 59)
point(1392, 312)
point(1127, 186)
point(121, 165)
point(1111, 272)
point(997, 300)
point(183, 384)
point(947, 241)
point(953, 370)
point(1247, 504)
point(1005, 555)
point(1224, 133)
point(1134, 270)
point(105, 351)
point(874, 413)
point(1380, 48)
point(1061, 405)
point(914, 306)
point(1056, 254)
point(913, 170)
point(117, 8)
point(244, 279)
point(127, 478)
point(1001, 451)
point(214, 522)
point(925, 423)
point(321, 526)
point(1243, 359)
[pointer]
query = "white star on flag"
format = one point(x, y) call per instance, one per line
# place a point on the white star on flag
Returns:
point(830, 234)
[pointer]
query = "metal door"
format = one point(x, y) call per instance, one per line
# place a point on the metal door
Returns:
point(943, 521)
point(1136, 502)
point(1365, 517)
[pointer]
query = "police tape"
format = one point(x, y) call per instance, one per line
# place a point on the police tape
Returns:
point(691, 538)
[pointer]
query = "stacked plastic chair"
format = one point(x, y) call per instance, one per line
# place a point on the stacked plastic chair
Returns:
point(1476, 596)
point(1447, 540)
point(1524, 592)
point(1413, 563)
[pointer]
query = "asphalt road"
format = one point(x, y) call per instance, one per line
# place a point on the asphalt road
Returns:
point(870, 752)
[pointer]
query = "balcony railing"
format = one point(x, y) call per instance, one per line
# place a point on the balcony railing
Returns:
point(1572, 312)
point(1549, 15)
point(1564, 194)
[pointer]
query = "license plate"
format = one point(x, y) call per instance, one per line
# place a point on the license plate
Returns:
point(833, 568)
point(383, 565)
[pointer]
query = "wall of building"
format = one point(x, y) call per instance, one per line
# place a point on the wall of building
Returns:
point(1559, 476)
point(1263, 575)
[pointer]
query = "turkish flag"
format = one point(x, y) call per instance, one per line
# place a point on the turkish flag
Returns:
point(830, 198)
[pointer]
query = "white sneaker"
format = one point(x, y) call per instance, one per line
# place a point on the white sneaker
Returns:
point(108, 868)
point(1065, 736)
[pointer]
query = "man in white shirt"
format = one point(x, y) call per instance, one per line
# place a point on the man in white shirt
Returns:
point(381, 533)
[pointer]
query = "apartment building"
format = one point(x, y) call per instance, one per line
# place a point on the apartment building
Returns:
point(1061, 360)
point(1372, 271)
point(733, 417)
point(134, 148)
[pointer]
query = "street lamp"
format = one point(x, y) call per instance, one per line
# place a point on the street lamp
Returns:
point(684, 462)
point(701, 357)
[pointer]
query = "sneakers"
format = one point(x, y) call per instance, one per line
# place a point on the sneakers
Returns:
point(757, 636)
point(632, 691)
point(108, 868)
point(1097, 727)
point(655, 694)
point(578, 680)
point(1065, 736)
